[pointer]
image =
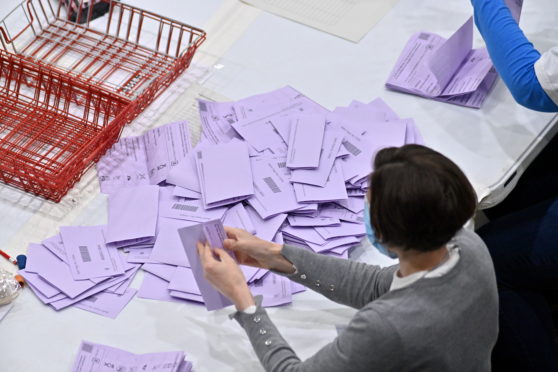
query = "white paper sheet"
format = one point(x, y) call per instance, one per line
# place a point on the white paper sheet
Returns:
point(348, 19)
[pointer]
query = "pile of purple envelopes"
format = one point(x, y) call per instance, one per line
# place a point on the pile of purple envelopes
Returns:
point(96, 357)
point(276, 164)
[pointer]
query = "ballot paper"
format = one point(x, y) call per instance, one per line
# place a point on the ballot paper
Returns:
point(144, 160)
point(305, 141)
point(347, 19)
point(449, 70)
point(213, 233)
point(228, 163)
point(216, 119)
point(132, 215)
point(101, 358)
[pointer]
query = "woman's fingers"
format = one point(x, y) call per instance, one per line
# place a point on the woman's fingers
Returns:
point(230, 244)
point(232, 233)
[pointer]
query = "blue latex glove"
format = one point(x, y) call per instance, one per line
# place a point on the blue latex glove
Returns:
point(512, 54)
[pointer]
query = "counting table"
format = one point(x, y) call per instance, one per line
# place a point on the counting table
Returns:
point(247, 52)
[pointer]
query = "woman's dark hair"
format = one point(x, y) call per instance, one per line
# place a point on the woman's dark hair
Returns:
point(419, 198)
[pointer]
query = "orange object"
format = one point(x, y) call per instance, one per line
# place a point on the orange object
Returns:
point(68, 89)
point(20, 280)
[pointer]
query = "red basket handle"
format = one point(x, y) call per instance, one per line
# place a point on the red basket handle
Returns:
point(5, 35)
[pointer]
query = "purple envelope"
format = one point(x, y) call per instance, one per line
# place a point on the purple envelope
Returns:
point(162, 271)
point(274, 192)
point(63, 303)
point(301, 221)
point(186, 193)
point(330, 148)
point(213, 233)
point(189, 209)
point(237, 217)
point(168, 246)
point(55, 272)
point(185, 174)
point(155, 288)
point(345, 229)
point(230, 162)
point(265, 228)
point(183, 280)
point(39, 284)
point(88, 255)
point(305, 141)
point(275, 289)
point(334, 189)
point(107, 304)
point(132, 214)
point(56, 246)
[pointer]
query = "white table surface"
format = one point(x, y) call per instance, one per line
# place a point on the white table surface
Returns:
point(266, 52)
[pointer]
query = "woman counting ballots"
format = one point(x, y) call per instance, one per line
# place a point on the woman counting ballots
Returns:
point(437, 310)
point(523, 231)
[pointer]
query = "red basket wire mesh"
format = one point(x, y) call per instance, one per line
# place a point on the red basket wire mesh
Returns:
point(67, 89)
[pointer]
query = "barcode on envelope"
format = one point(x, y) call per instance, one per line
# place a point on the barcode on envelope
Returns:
point(203, 106)
point(351, 148)
point(424, 36)
point(87, 348)
point(84, 252)
point(272, 185)
point(185, 207)
point(282, 164)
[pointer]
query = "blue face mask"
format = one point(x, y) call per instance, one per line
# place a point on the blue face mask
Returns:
point(372, 236)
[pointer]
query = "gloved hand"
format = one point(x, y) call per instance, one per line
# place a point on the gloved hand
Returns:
point(512, 54)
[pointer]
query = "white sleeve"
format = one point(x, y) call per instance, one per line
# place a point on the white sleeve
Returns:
point(546, 69)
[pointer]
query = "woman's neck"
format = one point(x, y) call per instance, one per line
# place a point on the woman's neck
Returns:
point(412, 261)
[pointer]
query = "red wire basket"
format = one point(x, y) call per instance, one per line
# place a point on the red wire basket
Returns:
point(67, 89)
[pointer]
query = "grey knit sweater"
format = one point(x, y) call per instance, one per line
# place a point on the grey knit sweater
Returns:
point(448, 323)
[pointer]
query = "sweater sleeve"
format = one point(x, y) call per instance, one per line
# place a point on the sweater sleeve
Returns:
point(367, 344)
point(512, 54)
point(346, 282)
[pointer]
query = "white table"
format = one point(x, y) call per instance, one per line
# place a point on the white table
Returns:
point(493, 146)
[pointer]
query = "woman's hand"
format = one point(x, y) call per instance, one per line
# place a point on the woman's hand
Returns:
point(253, 251)
point(224, 274)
